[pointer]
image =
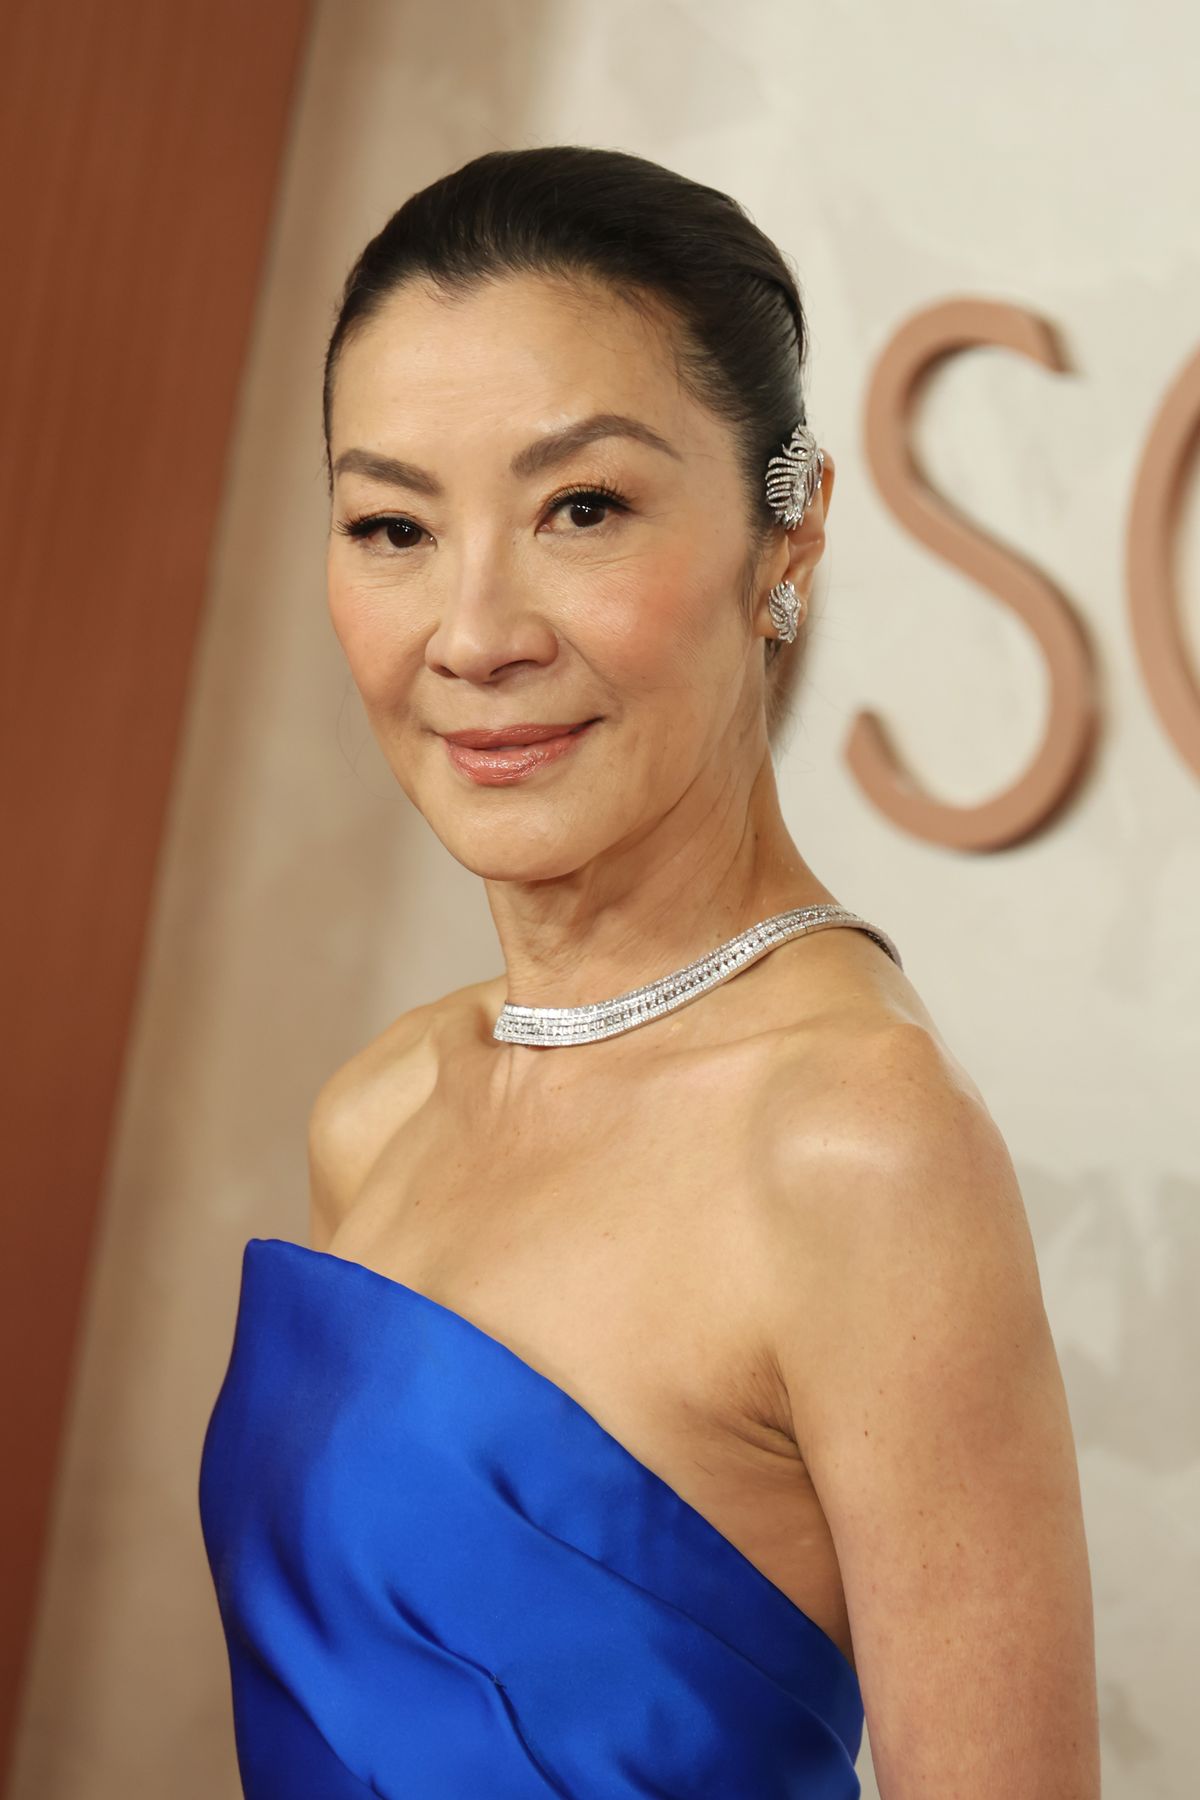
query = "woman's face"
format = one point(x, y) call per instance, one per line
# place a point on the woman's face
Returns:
point(469, 591)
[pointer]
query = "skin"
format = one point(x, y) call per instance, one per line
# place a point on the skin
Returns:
point(853, 1377)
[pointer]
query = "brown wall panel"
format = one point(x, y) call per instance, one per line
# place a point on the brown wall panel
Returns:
point(139, 150)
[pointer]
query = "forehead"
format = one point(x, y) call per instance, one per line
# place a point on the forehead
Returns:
point(521, 347)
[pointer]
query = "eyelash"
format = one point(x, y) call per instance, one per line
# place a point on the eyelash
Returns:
point(364, 526)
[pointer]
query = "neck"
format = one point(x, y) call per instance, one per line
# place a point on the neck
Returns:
point(706, 872)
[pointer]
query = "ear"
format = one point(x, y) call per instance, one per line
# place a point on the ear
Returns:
point(799, 550)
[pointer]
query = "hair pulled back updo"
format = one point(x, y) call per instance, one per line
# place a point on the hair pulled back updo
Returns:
point(661, 242)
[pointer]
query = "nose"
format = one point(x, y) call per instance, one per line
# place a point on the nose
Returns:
point(488, 622)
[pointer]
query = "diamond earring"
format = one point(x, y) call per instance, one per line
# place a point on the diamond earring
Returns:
point(786, 608)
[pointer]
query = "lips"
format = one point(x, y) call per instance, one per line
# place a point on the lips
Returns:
point(501, 758)
point(505, 736)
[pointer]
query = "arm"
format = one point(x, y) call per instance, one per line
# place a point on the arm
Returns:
point(928, 1403)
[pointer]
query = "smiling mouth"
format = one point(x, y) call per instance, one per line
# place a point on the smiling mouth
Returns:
point(501, 764)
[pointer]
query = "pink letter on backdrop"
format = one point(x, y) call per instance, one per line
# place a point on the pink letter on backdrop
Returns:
point(1067, 742)
point(1153, 613)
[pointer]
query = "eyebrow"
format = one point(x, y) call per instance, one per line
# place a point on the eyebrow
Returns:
point(543, 453)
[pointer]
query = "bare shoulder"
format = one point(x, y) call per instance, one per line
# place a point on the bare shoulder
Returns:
point(359, 1107)
point(907, 1321)
point(891, 1163)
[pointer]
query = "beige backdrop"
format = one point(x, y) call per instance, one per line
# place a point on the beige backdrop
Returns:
point(1040, 155)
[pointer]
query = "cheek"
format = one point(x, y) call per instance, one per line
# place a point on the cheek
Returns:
point(665, 627)
point(380, 659)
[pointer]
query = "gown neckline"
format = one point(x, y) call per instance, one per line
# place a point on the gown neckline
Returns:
point(461, 1321)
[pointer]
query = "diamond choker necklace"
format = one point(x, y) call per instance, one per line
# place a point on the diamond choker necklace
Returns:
point(546, 1025)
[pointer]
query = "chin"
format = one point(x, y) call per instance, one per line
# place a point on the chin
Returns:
point(503, 852)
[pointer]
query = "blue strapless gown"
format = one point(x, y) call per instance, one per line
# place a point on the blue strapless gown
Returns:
point(441, 1578)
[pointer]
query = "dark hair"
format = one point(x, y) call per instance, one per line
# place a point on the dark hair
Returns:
point(654, 237)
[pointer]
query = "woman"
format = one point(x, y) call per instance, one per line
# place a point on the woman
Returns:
point(665, 1380)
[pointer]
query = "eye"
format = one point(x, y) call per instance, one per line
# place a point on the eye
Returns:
point(366, 528)
point(595, 499)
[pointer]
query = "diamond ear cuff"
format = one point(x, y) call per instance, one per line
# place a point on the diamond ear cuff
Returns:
point(794, 475)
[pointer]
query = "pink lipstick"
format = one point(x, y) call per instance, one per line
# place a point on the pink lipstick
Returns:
point(500, 756)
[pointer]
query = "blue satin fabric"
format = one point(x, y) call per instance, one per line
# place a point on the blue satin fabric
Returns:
point(441, 1578)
